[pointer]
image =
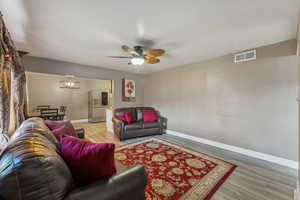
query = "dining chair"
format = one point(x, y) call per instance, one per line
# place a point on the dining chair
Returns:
point(63, 109)
point(38, 108)
point(50, 113)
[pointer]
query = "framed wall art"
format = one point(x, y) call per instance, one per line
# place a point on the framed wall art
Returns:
point(128, 90)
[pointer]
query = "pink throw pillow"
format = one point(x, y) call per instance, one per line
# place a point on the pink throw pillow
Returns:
point(88, 161)
point(128, 117)
point(150, 115)
point(121, 117)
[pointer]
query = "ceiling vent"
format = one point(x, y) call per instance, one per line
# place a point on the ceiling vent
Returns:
point(245, 56)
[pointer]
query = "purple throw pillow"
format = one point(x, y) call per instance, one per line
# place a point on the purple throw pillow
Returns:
point(61, 132)
point(53, 124)
point(61, 128)
point(88, 161)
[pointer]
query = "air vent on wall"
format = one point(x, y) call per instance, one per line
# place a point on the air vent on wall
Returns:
point(245, 56)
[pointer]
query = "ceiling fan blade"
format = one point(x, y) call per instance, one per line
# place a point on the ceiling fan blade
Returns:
point(127, 49)
point(119, 57)
point(152, 60)
point(155, 52)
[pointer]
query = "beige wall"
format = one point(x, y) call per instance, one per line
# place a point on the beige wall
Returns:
point(250, 105)
point(44, 89)
point(43, 65)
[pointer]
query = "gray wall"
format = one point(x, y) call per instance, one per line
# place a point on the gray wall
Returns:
point(76, 100)
point(250, 105)
point(42, 65)
point(298, 54)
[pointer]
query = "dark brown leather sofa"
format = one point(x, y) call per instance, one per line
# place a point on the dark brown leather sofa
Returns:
point(32, 169)
point(138, 128)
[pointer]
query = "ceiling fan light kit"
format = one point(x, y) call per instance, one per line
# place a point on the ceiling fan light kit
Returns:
point(137, 60)
point(139, 56)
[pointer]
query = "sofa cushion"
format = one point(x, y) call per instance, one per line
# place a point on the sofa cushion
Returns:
point(31, 164)
point(88, 161)
point(151, 125)
point(134, 126)
point(150, 115)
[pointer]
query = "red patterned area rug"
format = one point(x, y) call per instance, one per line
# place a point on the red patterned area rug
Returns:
point(174, 172)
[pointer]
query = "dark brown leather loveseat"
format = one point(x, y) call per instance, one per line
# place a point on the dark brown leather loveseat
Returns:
point(32, 169)
point(138, 128)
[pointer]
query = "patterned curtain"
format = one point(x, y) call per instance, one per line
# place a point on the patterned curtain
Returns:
point(12, 86)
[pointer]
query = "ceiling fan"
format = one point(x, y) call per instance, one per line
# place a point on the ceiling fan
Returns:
point(139, 56)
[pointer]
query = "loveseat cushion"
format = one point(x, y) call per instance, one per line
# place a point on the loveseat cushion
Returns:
point(151, 125)
point(134, 126)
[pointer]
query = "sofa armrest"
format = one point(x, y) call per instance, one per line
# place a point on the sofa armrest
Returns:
point(163, 123)
point(117, 121)
point(129, 185)
point(118, 126)
point(162, 119)
point(80, 132)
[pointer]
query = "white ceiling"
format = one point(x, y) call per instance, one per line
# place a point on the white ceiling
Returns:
point(86, 32)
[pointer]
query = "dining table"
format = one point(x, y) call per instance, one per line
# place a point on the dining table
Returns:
point(37, 113)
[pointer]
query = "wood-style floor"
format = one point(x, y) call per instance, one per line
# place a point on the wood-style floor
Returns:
point(253, 179)
point(97, 132)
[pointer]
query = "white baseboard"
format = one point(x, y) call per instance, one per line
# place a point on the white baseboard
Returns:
point(251, 153)
point(79, 121)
